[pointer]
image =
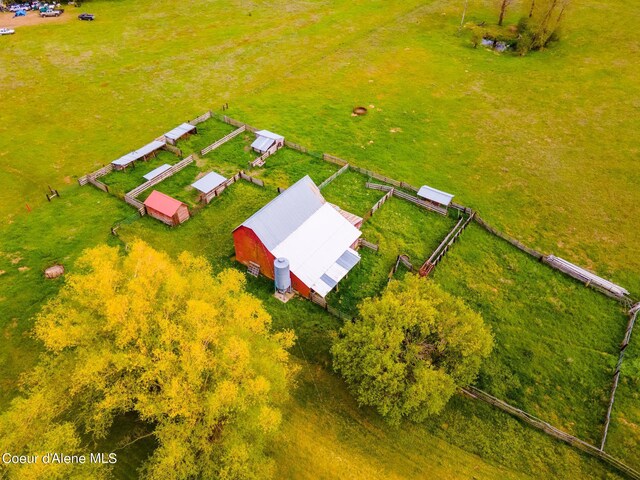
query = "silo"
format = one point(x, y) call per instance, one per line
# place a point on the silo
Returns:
point(282, 275)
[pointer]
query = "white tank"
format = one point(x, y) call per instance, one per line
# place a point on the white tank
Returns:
point(282, 275)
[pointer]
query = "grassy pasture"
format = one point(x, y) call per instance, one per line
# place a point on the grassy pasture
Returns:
point(556, 341)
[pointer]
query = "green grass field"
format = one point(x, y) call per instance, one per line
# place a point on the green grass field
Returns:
point(545, 147)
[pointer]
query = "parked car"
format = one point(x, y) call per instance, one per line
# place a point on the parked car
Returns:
point(87, 16)
point(6, 31)
point(51, 13)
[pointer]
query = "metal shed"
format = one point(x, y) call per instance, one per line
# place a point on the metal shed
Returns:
point(265, 140)
point(209, 182)
point(434, 195)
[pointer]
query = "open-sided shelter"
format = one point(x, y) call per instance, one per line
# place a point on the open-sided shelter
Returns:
point(209, 183)
point(301, 226)
point(435, 196)
point(166, 209)
point(144, 153)
point(179, 132)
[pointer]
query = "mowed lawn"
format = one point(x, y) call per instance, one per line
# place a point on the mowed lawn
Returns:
point(556, 340)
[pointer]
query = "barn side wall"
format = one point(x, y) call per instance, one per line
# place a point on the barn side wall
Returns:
point(249, 248)
point(160, 216)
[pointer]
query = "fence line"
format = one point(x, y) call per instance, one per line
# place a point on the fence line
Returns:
point(378, 204)
point(318, 300)
point(98, 184)
point(334, 176)
point(406, 196)
point(511, 240)
point(332, 159)
point(551, 430)
point(237, 123)
point(224, 139)
point(364, 243)
point(260, 161)
point(154, 181)
point(633, 314)
point(404, 259)
point(249, 178)
point(171, 148)
point(97, 174)
point(442, 249)
point(205, 116)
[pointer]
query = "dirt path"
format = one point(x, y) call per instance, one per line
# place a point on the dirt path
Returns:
point(7, 20)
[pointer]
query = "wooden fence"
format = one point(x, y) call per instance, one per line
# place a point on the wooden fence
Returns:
point(237, 123)
point(136, 203)
point(442, 249)
point(331, 159)
point(171, 148)
point(154, 181)
point(97, 174)
point(98, 184)
point(410, 198)
point(511, 240)
point(224, 139)
point(401, 259)
point(318, 300)
point(477, 394)
point(379, 203)
point(633, 314)
point(334, 176)
point(364, 243)
point(205, 116)
point(249, 178)
point(206, 198)
point(261, 160)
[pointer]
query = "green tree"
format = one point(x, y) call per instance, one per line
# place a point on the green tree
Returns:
point(190, 354)
point(410, 349)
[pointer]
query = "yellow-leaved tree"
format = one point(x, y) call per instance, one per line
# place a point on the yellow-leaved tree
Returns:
point(190, 354)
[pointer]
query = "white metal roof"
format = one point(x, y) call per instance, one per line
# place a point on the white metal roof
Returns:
point(207, 183)
point(157, 171)
point(268, 134)
point(141, 152)
point(336, 272)
point(179, 131)
point(262, 144)
point(435, 195)
point(316, 245)
point(284, 214)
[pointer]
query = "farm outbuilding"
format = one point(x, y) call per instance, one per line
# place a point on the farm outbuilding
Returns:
point(144, 153)
point(266, 140)
point(210, 182)
point(311, 234)
point(166, 209)
point(434, 195)
point(179, 132)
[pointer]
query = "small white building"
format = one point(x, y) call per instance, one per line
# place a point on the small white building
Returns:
point(435, 196)
point(266, 140)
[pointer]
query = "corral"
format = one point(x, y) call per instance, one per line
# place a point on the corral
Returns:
point(555, 351)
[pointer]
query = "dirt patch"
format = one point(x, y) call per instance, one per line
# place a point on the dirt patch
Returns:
point(67, 180)
point(2, 272)
point(15, 260)
point(7, 20)
point(23, 269)
point(359, 111)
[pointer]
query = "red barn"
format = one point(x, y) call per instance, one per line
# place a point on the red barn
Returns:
point(316, 237)
point(166, 209)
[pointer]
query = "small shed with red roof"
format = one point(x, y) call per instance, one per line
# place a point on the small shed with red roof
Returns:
point(166, 209)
